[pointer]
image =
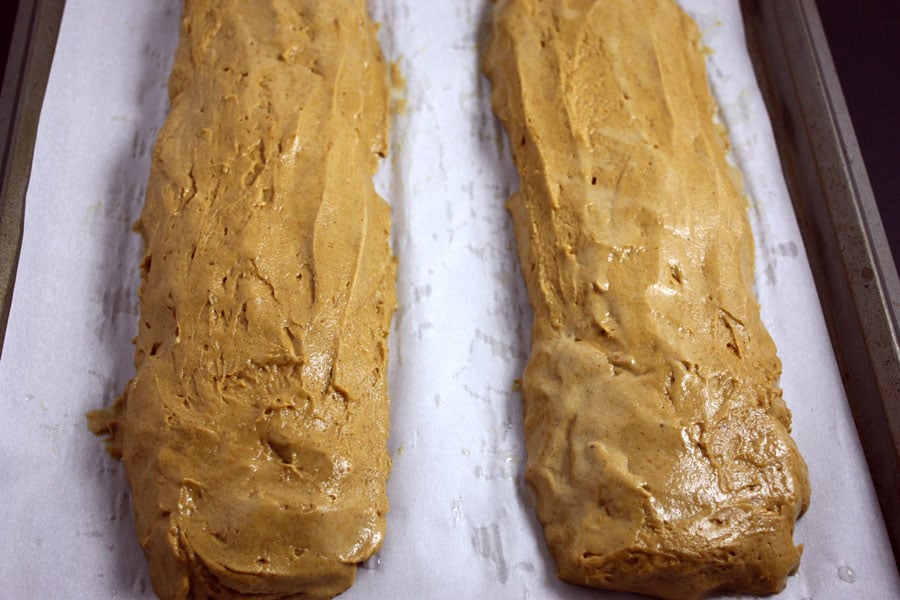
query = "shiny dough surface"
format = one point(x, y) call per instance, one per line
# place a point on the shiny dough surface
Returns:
point(254, 432)
point(658, 441)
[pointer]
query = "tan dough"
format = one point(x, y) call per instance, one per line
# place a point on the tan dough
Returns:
point(254, 432)
point(658, 441)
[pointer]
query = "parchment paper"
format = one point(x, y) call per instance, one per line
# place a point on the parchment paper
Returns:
point(461, 524)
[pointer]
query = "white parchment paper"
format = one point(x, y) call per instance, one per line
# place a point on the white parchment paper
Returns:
point(461, 525)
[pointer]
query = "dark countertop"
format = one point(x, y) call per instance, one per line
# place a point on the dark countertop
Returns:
point(864, 36)
point(7, 21)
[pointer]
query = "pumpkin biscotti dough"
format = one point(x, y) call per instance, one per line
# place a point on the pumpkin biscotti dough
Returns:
point(254, 432)
point(658, 441)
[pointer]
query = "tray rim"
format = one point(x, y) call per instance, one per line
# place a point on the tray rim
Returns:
point(31, 50)
point(852, 265)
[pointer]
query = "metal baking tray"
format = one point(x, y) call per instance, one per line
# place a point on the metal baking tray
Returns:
point(27, 69)
point(855, 274)
point(842, 230)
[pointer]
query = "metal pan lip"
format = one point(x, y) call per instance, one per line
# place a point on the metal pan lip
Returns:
point(851, 261)
point(25, 81)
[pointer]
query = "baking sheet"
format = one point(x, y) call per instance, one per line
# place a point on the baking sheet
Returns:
point(460, 524)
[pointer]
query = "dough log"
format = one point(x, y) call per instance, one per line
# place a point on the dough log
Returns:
point(254, 432)
point(657, 437)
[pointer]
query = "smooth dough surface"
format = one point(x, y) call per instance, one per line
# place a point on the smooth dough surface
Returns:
point(254, 432)
point(658, 441)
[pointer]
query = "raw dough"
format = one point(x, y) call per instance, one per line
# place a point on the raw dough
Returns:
point(658, 441)
point(254, 432)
